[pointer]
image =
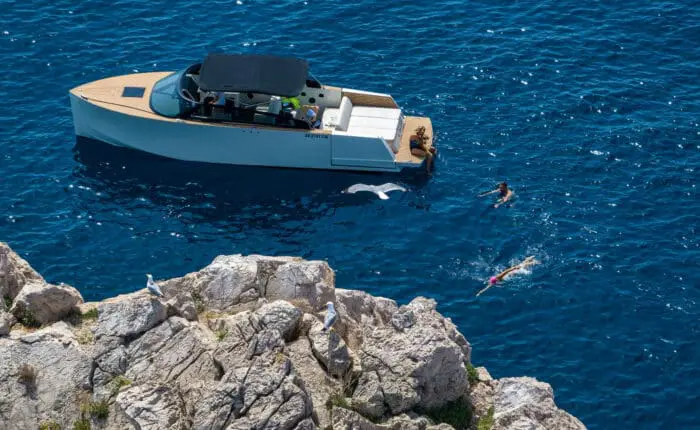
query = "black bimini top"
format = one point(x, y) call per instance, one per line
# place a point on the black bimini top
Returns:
point(262, 74)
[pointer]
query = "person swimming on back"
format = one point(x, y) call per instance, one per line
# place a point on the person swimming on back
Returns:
point(504, 192)
point(529, 261)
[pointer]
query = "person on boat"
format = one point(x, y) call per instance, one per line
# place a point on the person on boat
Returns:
point(504, 192)
point(529, 261)
point(213, 98)
point(311, 116)
point(290, 104)
point(419, 147)
point(218, 98)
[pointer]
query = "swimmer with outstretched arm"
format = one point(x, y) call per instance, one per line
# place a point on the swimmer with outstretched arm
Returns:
point(529, 261)
point(503, 190)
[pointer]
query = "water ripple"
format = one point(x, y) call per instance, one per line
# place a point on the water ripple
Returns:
point(589, 110)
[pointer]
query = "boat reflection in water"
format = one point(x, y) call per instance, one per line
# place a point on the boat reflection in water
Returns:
point(231, 197)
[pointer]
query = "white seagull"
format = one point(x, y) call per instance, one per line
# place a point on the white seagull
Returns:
point(152, 287)
point(331, 316)
point(379, 190)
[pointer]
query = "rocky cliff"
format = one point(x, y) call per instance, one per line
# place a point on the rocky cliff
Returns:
point(239, 345)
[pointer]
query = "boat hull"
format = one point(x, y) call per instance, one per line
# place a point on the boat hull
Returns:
point(225, 143)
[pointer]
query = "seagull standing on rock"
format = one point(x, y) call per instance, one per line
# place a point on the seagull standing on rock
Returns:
point(152, 287)
point(379, 190)
point(331, 316)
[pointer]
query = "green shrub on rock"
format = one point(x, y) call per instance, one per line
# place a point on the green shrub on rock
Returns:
point(457, 413)
point(27, 375)
point(89, 315)
point(99, 410)
point(486, 423)
point(221, 334)
point(118, 382)
point(82, 424)
point(472, 374)
point(49, 425)
point(198, 302)
point(338, 400)
point(27, 318)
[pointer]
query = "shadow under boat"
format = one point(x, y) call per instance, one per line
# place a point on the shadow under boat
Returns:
point(222, 192)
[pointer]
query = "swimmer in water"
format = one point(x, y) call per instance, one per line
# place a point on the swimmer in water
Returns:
point(529, 261)
point(504, 192)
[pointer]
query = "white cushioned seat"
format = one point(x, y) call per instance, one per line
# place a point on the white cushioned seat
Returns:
point(330, 117)
point(384, 133)
point(374, 122)
point(364, 121)
point(338, 118)
point(376, 112)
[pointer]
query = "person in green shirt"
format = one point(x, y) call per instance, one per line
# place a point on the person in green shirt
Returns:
point(292, 102)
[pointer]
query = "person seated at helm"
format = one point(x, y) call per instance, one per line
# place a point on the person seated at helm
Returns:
point(310, 115)
point(217, 98)
point(290, 104)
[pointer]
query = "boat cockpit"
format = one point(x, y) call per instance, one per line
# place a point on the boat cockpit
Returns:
point(205, 92)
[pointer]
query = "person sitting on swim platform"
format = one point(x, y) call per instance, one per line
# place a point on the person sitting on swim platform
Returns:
point(418, 144)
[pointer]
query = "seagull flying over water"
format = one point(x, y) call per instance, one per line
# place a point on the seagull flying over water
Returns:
point(379, 190)
point(152, 287)
point(331, 316)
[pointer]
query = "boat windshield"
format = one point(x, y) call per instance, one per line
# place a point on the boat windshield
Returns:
point(165, 97)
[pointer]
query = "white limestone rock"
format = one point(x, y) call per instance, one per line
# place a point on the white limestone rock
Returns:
point(357, 309)
point(6, 321)
point(526, 403)
point(257, 361)
point(182, 305)
point(258, 389)
point(129, 315)
point(15, 272)
point(420, 365)
point(149, 407)
point(368, 398)
point(483, 374)
point(229, 281)
point(234, 282)
point(61, 376)
point(59, 331)
point(364, 308)
point(316, 382)
point(279, 315)
point(305, 283)
point(174, 351)
point(345, 419)
point(45, 303)
point(330, 350)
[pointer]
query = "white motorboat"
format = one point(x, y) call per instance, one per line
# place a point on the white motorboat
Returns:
point(249, 110)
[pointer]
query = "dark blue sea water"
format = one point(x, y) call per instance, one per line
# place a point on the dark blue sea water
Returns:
point(588, 109)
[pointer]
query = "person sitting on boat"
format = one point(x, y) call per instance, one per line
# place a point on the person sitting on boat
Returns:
point(290, 104)
point(218, 98)
point(419, 147)
point(505, 194)
point(311, 116)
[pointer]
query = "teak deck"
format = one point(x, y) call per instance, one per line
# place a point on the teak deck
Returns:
point(411, 123)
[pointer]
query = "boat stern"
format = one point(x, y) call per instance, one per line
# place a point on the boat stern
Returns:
point(404, 158)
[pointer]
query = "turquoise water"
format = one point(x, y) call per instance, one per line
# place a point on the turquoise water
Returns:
point(588, 109)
